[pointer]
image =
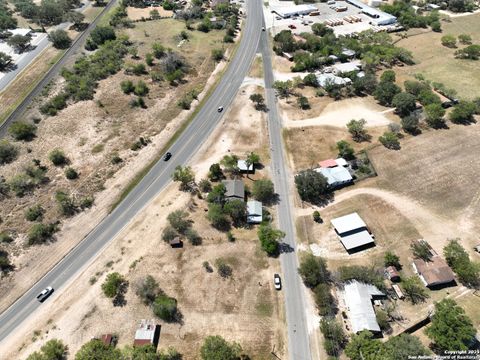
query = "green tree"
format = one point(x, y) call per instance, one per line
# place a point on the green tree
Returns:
point(449, 41)
point(258, 100)
point(388, 76)
point(403, 346)
point(165, 308)
point(463, 112)
point(179, 220)
point(459, 260)
point(217, 348)
point(8, 152)
point(414, 289)
point(404, 103)
point(113, 284)
point(334, 335)
point(52, 350)
point(5, 61)
point(363, 346)
point(96, 349)
point(316, 216)
point(19, 42)
point(269, 238)
point(321, 29)
point(217, 217)
point(205, 186)
point(193, 237)
point(390, 140)
point(71, 173)
point(471, 52)
point(237, 209)
point(230, 164)
point(217, 194)
point(263, 190)
point(365, 274)
point(76, 18)
point(215, 172)
point(313, 270)
point(451, 329)
point(252, 159)
point(102, 34)
point(57, 157)
point(224, 270)
point(60, 39)
point(312, 186)
point(22, 131)
point(434, 116)
point(385, 92)
point(185, 176)
point(421, 250)
point(283, 88)
point(390, 259)
point(345, 150)
point(356, 128)
point(410, 124)
point(324, 300)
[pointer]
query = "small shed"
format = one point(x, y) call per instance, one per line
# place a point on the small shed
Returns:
point(329, 163)
point(392, 273)
point(176, 242)
point(107, 339)
point(147, 333)
point(244, 167)
point(254, 212)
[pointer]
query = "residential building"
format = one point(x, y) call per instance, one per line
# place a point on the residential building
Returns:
point(148, 333)
point(336, 176)
point(235, 189)
point(358, 300)
point(434, 273)
point(330, 79)
point(353, 232)
point(254, 212)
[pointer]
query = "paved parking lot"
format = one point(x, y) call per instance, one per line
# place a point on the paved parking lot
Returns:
point(277, 24)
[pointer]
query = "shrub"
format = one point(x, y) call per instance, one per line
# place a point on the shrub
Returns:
point(269, 238)
point(55, 104)
point(141, 89)
point(193, 237)
point(71, 173)
point(65, 203)
point(324, 300)
point(149, 59)
point(345, 150)
point(224, 270)
point(147, 290)
point(217, 54)
point(5, 237)
point(410, 124)
point(313, 271)
point(316, 216)
point(159, 50)
point(22, 131)
point(86, 202)
point(58, 158)
point(34, 213)
point(390, 259)
point(390, 140)
point(169, 233)
point(127, 86)
point(165, 308)
point(113, 284)
point(463, 112)
point(179, 221)
point(303, 103)
point(8, 152)
point(41, 233)
point(449, 41)
point(356, 128)
point(205, 186)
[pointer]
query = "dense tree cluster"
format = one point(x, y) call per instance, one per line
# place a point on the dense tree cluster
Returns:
point(457, 257)
point(312, 186)
point(407, 16)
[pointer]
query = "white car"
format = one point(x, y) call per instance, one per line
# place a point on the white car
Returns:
point(45, 294)
point(277, 281)
point(220, 109)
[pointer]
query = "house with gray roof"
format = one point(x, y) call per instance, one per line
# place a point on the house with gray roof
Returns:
point(336, 176)
point(358, 299)
point(235, 189)
point(353, 232)
point(254, 212)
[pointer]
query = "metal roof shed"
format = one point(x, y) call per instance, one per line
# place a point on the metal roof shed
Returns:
point(348, 223)
point(356, 240)
point(254, 212)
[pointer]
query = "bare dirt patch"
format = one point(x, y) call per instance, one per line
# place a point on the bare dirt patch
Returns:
point(139, 13)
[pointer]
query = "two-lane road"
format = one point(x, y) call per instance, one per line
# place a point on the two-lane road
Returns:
point(156, 180)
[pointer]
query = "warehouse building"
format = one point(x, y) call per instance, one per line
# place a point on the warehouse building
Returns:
point(378, 17)
point(296, 10)
point(353, 232)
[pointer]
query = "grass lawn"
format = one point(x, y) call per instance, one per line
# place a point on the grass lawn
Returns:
point(437, 63)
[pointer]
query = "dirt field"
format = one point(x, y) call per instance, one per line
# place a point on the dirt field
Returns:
point(107, 126)
point(239, 309)
point(437, 62)
point(138, 13)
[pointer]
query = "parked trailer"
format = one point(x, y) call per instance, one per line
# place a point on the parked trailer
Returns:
point(341, 8)
point(398, 291)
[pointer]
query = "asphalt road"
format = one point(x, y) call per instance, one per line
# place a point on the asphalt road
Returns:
point(298, 339)
point(77, 45)
point(159, 176)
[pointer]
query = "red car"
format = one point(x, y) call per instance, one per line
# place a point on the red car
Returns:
point(291, 26)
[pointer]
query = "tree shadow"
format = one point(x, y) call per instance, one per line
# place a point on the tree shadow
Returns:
point(119, 299)
point(285, 248)
point(10, 67)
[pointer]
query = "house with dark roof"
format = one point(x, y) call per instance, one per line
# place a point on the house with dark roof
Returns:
point(235, 189)
point(434, 273)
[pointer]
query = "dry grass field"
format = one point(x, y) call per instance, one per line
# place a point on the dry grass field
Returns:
point(91, 133)
point(437, 62)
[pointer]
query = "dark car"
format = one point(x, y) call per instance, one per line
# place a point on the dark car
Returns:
point(277, 282)
point(167, 156)
point(220, 109)
point(45, 294)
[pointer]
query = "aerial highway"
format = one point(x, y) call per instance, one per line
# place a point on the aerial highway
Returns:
point(298, 337)
point(154, 182)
